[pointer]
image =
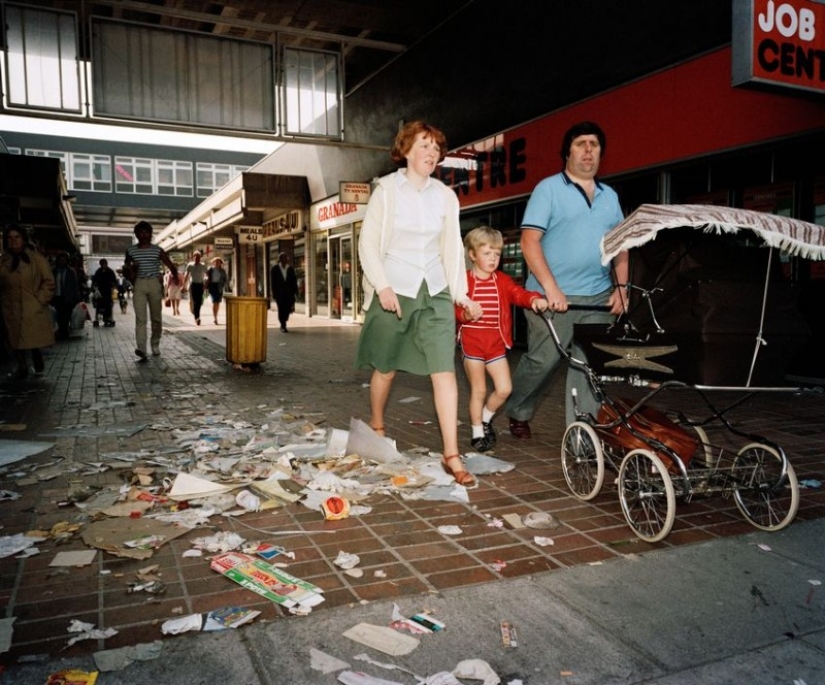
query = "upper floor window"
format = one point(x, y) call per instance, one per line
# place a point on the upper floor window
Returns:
point(42, 67)
point(211, 177)
point(90, 172)
point(174, 178)
point(62, 156)
point(134, 175)
point(312, 94)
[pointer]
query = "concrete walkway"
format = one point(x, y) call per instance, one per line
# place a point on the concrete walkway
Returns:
point(714, 602)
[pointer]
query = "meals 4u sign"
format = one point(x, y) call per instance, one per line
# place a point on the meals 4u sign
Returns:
point(780, 43)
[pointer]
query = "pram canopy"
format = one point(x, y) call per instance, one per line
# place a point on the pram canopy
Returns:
point(714, 309)
point(790, 235)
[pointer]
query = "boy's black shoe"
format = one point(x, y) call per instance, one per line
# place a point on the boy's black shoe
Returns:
point(489, 432)
point(481, 444)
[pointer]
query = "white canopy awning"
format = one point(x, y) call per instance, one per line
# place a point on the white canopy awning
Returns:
point(791, 235)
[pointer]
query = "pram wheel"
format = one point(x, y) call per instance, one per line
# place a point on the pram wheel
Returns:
point(582, 460)
point(646, 495)
point(95, 323)
point(765, 498)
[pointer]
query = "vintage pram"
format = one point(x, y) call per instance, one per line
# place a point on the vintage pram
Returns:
point(103, 304)
point(709, 312)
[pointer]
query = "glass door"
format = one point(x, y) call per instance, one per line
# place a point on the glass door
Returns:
point(340, 250)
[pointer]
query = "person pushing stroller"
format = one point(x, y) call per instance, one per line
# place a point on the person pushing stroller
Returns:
point(104, 282)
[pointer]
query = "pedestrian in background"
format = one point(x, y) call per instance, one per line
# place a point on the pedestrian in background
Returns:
point(193, 281)
point(76, 262)
point(145, 260)
point(216, 281)
point(284, 288)
point(66, 295)
point(174, 291)
point(104, 281)
point(413, 260)
point(26, 288)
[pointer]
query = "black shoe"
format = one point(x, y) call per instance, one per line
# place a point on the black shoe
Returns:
point(284, 330)
point(481, 444)
point(520, 429)
point(489, 432)
point(140, 353)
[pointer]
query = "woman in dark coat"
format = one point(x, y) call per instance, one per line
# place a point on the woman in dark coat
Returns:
point(26, 288)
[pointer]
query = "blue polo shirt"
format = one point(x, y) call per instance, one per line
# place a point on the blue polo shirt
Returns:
point(573, 229)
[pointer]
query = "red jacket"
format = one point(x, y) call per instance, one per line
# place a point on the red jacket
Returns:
point(509, 293)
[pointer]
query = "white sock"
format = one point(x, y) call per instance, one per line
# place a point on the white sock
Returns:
point(487, 415)
point(478, 431)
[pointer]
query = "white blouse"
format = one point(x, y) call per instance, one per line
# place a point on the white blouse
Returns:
point(413, 254)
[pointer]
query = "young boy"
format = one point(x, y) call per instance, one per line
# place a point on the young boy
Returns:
point(485, 341)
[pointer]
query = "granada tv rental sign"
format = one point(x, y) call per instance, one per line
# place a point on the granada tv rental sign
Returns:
point(779, 42)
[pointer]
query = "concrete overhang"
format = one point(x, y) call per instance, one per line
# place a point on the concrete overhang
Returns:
point(33, 194)
point(250, 199)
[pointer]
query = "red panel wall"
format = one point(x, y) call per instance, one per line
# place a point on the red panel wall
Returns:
point(687, 111)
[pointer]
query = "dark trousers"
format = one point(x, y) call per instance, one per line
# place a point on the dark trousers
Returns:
point(196, 293)
point(63, 310)
point(285, 305)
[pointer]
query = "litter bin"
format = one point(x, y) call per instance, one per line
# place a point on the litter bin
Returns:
point(246, 329)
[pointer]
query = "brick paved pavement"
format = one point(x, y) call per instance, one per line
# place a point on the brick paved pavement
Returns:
point(309, 372)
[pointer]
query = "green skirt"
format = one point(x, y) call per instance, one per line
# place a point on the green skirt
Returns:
point(422, 342)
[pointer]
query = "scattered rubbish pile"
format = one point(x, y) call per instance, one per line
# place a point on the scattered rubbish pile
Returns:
point(219, 469)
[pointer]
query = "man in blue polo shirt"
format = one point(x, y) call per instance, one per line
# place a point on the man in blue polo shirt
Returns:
point(565, 219)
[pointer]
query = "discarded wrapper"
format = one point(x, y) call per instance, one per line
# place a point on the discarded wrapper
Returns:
point(335, 508)
point(73, 677)
point(428, 622)
point(266, 580)
point(508, 634)
point(248, 501)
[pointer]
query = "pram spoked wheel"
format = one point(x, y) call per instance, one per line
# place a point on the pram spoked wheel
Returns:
point(765, 498)
point(582, 460)
point(647, 496)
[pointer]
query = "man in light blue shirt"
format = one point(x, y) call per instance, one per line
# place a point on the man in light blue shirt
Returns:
point(565, 219)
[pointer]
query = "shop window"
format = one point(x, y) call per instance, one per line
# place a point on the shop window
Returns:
point(637, 191)
point(772, 199)
point(300, 266)
point(321, 269)
point(111, 244)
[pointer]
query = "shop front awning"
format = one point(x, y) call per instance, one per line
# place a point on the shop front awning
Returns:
point(33, 194)
point(249, 200)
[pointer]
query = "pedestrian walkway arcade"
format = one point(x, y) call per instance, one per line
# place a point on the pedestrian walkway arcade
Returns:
point(309, 373)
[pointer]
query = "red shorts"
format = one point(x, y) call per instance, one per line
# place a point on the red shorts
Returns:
point(482, 344)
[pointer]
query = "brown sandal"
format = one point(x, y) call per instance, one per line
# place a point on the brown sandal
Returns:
point(462, 476)
point(379, 430)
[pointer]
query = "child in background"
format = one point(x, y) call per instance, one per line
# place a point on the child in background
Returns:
point(485, 341)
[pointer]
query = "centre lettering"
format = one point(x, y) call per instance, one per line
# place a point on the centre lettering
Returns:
point(498, 167)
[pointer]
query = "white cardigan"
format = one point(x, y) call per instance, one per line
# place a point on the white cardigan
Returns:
point(376, 232)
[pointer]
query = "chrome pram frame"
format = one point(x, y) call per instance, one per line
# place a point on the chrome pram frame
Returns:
point(661, 456)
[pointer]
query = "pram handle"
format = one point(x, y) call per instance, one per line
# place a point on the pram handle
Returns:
point(589, 307)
